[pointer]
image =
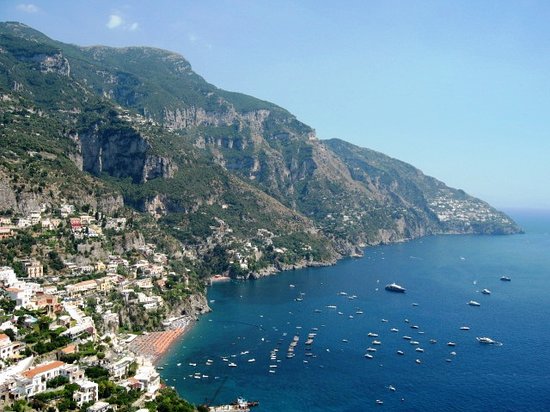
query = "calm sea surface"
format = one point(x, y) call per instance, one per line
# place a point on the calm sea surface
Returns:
point(441, 274)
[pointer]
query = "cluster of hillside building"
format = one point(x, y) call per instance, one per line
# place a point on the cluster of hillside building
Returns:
point(63, 299)
point(449, 209)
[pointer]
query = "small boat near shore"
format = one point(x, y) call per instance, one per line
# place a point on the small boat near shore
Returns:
point(486, 291)
point(506, 278)
point(474, 303)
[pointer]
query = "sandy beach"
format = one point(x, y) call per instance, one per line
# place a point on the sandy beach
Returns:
point(155, 344)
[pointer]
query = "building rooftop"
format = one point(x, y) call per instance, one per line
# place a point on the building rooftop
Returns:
point(31, 373)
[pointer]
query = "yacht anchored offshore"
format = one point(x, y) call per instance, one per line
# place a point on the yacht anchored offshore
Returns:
point(394, 287)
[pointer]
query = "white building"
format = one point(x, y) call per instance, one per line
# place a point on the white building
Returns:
point(9, 349)
point(101, 407)
point(149, 378)
point(34, 380)
point(87, 392)
point(120, 368)
point(7, 276)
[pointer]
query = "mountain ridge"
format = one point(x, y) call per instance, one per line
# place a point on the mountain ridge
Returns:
point(145, 128)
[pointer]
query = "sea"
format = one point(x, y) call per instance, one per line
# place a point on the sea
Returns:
point(342, 304)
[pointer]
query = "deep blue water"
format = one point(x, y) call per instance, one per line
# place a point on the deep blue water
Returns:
point(441, 275)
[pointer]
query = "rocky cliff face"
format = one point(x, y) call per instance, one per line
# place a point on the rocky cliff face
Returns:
point(122, 153)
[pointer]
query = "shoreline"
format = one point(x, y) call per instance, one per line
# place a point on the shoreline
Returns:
point(155, 345)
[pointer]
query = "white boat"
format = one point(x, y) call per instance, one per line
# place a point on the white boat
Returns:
point(379, 402)
point(369, 349)
point(414, 342)
point(368, 356)
point(400, 352)
point(474, 303)
point(252, 360)
point(419, 350)
point(506, 278)
point(464, 328)
point(372, 335)
point(418, 361)
point(486, 291)
point(394, 287)
point(391, 388)
point(451, 344)
point(331, 306)
point(394, 330)
point(485, 340)
point(432, 341)
point(232, 365)
point(407, 337)
point(192, 364)
point(376, 342)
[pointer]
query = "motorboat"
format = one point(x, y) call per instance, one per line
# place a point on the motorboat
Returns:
point(485, 340)
point(505, 278)
point(486, 291)
point(394, 287)
point(400, 352)
point(474, 303)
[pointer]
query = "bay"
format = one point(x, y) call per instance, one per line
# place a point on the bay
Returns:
point(441, 274)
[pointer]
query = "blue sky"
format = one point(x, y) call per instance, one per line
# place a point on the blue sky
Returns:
point(460, 89)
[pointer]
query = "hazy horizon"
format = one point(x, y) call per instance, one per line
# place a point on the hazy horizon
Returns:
point(458, 90)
